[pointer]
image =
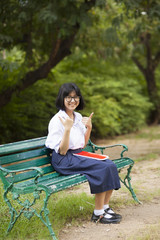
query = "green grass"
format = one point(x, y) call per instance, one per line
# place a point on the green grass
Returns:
point(64, 209)
point(150, 133)
point(147, 157)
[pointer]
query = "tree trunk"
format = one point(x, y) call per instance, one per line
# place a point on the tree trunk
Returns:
point(149, 74)
point(60, 50)
point(153, 94)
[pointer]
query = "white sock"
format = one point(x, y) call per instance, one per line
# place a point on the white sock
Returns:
point(110, 211)
point(106, 206)
point(98, 212)
point(101, 212)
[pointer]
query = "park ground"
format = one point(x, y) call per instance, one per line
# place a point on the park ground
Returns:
point(140, 221)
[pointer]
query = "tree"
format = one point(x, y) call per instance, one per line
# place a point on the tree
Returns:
point(138, 21)
point(110, 89)
point(44, 31)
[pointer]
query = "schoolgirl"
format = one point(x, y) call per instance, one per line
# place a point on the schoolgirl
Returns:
point(68, 134)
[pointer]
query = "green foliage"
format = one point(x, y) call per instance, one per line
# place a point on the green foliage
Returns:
point(44, 31)
point(11, 67)
point(110, 89)
point(129, 29)
point(115, 97)
point(36, 25)
point(114, 90)
point(25, 116)
point(28, 115)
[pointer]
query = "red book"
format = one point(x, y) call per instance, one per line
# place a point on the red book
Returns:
point(92, 155)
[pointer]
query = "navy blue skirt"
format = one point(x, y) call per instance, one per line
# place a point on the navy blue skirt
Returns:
point(102, 175)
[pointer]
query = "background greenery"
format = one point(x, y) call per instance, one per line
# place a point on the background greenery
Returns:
point(111, 90)
point(99, 61)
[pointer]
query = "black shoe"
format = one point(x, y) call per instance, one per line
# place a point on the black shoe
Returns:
point(118, 216)
point(103, 219)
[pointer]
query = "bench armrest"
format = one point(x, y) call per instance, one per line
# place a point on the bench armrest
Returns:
point(96, 147)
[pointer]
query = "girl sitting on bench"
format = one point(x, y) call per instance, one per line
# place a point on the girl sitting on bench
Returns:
point(68, 134)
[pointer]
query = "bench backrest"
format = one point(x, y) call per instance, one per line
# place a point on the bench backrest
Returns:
point(24, 154)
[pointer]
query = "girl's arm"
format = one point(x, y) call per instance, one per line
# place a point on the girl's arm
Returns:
point(64, 145)
point(87, 121)
point(87, 135)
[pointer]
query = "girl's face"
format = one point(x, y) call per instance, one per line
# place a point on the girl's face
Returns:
point(71, 101)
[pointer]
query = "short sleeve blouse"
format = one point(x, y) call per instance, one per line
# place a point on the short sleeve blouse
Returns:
point(56, 131)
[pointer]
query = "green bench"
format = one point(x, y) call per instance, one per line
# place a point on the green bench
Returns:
point(25, 168)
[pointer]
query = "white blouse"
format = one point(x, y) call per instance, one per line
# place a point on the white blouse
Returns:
point(56, 131)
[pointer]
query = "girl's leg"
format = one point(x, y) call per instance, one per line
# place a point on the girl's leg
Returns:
point(102, 199)
point(99, 213)
point(107, 197)
point(106, 205)
point(99, 200)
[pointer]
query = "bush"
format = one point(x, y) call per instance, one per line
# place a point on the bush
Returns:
point(111, 90)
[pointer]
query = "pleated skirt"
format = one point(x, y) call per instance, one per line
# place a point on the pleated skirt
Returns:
point(102, 175)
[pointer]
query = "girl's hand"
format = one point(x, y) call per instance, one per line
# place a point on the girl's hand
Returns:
point(87, 121)
point(67, 123)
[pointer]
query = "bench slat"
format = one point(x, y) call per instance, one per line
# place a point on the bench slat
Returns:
point(56, 182)
point(34, 163)
point(31, 174)
point(22, 145)
point(29, 182)
point(23, 156)
point(67, 184)
point(121, 163)
point(47, 169)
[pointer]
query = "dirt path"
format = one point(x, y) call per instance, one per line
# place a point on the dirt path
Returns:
point(136, 218)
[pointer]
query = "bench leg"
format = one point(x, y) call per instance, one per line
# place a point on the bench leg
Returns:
point(12, 211)
point(28, 211)
point(127, 183)
point(44, 215)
